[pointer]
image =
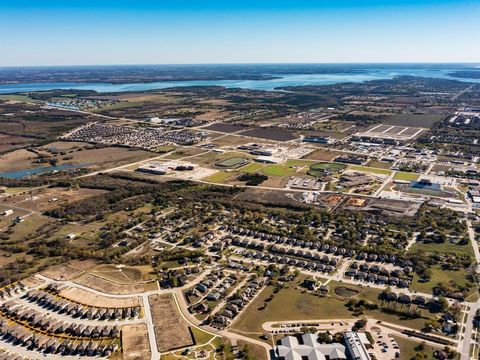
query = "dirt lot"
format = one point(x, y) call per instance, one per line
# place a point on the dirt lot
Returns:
point(11, 142)
point(17, 160)
point(135, 342)
point(226, 128)
point(107, 286)
point(95, 158)
point(413, 120)
point(171, 331)
point(323, 155)
point(91, 299)
point(270, 134)
point(122, 274)
point(68, 271)
point(49, 198)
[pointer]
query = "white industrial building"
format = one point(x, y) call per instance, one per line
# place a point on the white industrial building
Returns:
point(357, 344)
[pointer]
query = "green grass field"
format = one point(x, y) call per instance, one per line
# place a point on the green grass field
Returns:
point(251, 168)
point(296, 304)
point(289, 304)
point(23, 98)
point(119, 106)
point(442, 249)
point(220, 177)
point(439, 275)
point(379, 164)
point(369, 169)
point(297, 162)
point(406, 176)
point(278, 170)
point(201, 337)
point(407, 348)
point(328, 166)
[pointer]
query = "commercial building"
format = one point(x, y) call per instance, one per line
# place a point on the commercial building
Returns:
point(306, 347)
point(357, 344)
point(425, 184)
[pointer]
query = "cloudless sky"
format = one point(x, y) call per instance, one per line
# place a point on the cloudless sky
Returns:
point(73, 32)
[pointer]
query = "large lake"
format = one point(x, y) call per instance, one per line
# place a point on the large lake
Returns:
point(283, 80)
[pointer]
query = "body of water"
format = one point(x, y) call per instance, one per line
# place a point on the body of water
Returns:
point(18, 174)
point(282, 80)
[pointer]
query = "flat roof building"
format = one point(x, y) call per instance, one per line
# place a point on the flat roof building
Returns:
point(357, 345)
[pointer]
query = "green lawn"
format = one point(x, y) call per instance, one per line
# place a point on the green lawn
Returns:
point(296, 304)
point(220, 177)
point(120, 105)
point(297, 162)
point(251, 168)
point(23, 98)
point(201, 337)
point(439, 275)
point(369, 169)
point(442, 249)
point(278, 170)
point(406, 176)
point(289, 304)
point(379, 164)
point(407, 348)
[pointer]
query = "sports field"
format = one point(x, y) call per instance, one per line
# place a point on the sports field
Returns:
point(232, 163)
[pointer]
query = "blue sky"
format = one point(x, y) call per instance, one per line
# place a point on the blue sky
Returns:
point(46, 32)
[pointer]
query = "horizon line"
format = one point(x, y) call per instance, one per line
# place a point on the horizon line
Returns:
point(251, 63)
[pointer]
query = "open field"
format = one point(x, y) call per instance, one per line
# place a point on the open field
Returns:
point(91, 299)
point(406, 176)
point(16, 97)
point(251, 168)
point(120, 106)
point(288, 304)
point(379, 164)
point(135, 342)
point(95, 158)
point(413, 120)
point(278, 170)
point(183, 152)
point(220, 177)
point(323, 155)
point(297, 304)
point(68, 271)
point(108, 286)
point(122, 274)
point(275, 134)
point(443, 248)
point(227, 128)
point(12, 142)
point(49, 198)
point(369, 169)
point(171, 331)
point(407, 348)
point(443, 276)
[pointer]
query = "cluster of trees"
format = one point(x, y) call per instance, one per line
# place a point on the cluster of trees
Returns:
point(253, 179)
